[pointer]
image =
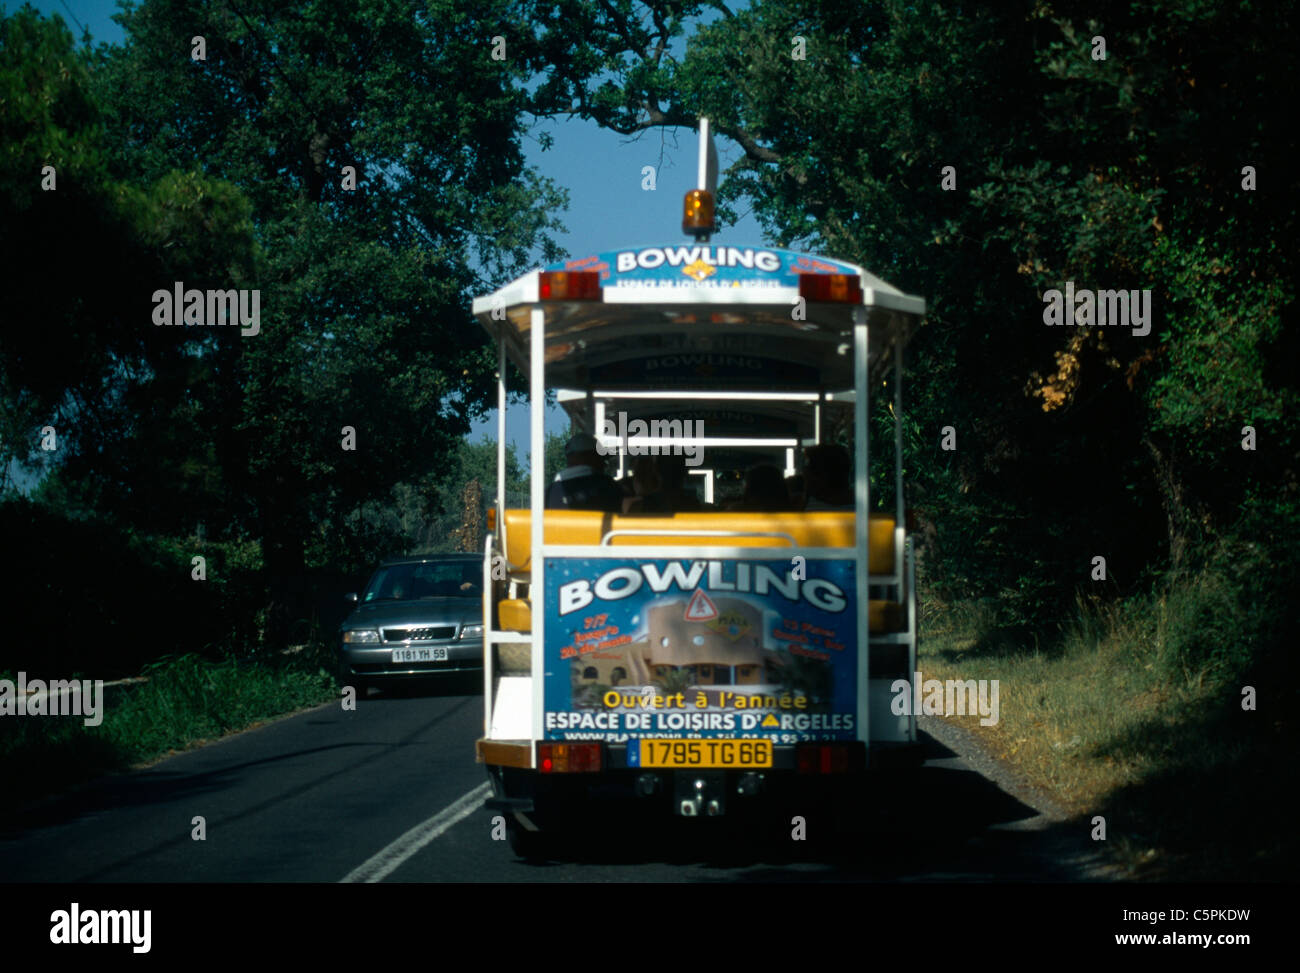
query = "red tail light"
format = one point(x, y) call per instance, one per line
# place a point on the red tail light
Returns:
point(831, 288)
point(569, 758)
point(829, 758)
point(569, 285)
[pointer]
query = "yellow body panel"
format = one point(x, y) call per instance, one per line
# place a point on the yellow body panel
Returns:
point(809, 529)
point(514, 615)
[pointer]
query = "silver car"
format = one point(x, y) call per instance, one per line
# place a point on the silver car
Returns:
point(419, 617)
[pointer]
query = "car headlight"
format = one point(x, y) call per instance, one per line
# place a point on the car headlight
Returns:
point(471, 631)
point(360, 635)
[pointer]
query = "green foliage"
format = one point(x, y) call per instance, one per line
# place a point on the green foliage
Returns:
point(365, 294)
point(188, 698)
point(471, 461)
point(228, 173)
point(1123, 173)
point(426, 517)
point(48, 116)
point(554, 460)
point(1234, 617)
point(185, 700)
point(134, 594)
point(1225, 327)
point(69, 337)
point(1206, 626)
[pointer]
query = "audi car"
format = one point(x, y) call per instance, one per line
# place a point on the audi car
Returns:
point(419, 617)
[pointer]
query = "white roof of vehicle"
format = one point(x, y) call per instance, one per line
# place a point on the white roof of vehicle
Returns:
point(698, 315)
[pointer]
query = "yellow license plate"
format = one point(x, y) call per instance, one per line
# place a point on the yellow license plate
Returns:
point(706, 753)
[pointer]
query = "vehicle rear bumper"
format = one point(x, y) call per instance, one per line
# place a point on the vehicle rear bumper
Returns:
point(548, 797)
point(375, 663)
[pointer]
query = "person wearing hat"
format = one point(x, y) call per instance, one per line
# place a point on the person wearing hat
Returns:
point(583, 484)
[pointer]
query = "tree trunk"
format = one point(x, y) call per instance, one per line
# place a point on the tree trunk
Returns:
point(284, 554)
point(1181, 524)
point(471, 519)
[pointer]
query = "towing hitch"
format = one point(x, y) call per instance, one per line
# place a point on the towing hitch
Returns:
point(699, 794)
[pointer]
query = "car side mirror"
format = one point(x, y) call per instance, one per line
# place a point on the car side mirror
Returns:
point(350, 597)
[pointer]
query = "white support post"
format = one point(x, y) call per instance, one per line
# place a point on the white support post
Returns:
point(898, 433)
point(501, 432)
point(903, 539)
point(911, 627)
point(489, 647)
point(861, 443)
point(537, 502)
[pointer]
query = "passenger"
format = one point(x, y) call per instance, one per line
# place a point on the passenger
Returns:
point(828, 473)
point(659, 487)
point(583, 484)
point(764, 490)
point(648, 496)
point(672, 469)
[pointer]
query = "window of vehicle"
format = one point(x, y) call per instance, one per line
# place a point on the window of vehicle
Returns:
point(429, 579)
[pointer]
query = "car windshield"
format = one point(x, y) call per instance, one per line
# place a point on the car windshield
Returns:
point(426, 579)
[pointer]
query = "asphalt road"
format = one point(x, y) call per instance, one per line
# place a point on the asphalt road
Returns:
point(390, 792)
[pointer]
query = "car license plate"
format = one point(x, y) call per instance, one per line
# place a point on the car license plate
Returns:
point(705, 753)
point(423, 654)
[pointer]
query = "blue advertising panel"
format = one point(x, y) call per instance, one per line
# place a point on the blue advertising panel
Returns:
point(722, 648)
point(704, 265)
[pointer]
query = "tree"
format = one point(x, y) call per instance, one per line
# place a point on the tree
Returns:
point(473, 462)
point(366, 339)
point(1116, 173)
point(81, 252)
point(554, 455)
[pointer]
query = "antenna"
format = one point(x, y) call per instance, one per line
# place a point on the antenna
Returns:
point(697, 216)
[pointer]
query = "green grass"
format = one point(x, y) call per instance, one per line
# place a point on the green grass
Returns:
point(185, 701)
point(1134, 712)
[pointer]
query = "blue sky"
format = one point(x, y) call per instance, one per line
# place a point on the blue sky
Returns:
point(604, 213)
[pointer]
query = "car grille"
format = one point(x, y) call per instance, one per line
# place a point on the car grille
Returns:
point(430, 633)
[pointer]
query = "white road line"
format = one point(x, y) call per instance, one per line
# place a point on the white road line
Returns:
point(381, 865)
